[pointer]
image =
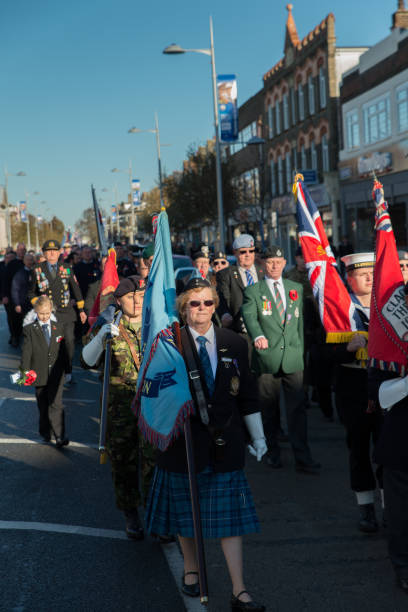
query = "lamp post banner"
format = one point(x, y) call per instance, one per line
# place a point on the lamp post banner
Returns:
point(23, 212)
point(136, 192)
point(113, 214)
point(228, 106)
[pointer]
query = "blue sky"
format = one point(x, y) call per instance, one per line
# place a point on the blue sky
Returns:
point(77, 75)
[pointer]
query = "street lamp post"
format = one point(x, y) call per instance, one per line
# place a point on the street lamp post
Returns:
point(176, 50)
point(134, 130)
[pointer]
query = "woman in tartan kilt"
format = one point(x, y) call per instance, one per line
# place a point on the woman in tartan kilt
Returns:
point(226, 504)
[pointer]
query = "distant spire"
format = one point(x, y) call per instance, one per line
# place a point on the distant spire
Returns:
point(400, 17)
point(291, 37)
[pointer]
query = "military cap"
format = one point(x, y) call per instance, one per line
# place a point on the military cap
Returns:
point(51, 245)
point(199, 254)
point(243, 241)
point(130, 285)
point(218, 255)
point(148, 251)
point(358, 260)
point(272, 251)
point(196, 283)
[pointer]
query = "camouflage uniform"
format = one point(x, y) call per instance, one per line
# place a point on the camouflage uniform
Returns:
point(132, 458)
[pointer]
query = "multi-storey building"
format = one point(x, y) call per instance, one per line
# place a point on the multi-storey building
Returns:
point(374, 112)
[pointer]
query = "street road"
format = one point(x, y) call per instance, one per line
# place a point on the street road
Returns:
point(63, 546)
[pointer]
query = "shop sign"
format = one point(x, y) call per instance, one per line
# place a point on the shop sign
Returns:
point(377, 162)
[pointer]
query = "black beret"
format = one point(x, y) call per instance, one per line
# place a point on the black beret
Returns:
point(130, 285)
point(196, 283)
point(51, 245)
point(199, 254)
point(272, 251)
point(219, 255)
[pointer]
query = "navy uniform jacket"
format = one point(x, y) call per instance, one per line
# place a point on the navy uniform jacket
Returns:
point(59, 290)
point(231, 291)
point(235, 396)
point(49, 362)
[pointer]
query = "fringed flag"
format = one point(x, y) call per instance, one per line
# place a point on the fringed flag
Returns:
point(163, 400)
point(336, 308)
point(109, 282)
point(99, 224)
point(388, 329)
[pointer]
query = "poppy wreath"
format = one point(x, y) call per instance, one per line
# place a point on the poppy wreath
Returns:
point(293, 294)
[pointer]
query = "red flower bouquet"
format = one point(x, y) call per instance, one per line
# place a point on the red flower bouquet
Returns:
point(27, 378)
point(293, 294)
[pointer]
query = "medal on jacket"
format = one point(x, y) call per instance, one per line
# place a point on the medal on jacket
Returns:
point(234, 385)
point(266, 306)
point(297, 312)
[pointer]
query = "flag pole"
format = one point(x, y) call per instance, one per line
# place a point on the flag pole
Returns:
point(198, 534)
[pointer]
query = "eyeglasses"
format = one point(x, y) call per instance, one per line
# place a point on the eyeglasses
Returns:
point(404, 266)
point(245, 251)
point(196, 303)
point(220, 262)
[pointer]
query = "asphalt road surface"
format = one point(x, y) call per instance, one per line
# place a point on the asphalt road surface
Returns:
point(63, 546)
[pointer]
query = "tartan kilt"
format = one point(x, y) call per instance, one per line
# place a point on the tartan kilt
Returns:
point(226, 504)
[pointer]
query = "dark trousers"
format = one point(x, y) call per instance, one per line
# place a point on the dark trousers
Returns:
point(49, 402)
point(69, 337)
point(12, 319)
point(269, 386)
point(396, 509)
point(362, 428)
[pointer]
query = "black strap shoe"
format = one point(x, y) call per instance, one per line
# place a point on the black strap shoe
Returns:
point(192, 590)
point(237, 604)
point(60, 442)
point(134, 529)
point(368, 521)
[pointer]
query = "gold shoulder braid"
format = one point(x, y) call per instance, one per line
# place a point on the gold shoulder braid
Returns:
point(130, 344)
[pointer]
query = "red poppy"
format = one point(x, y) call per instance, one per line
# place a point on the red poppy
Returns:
point(30, 378)
point(293, 294)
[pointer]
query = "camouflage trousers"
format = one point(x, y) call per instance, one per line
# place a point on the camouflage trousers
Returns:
point(132, 458)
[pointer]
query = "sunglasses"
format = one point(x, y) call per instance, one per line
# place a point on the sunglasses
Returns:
point(245, 251)
point(220, 262)
point(404, 266)
point(196, 303)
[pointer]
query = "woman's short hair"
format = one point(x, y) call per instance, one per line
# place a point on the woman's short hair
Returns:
point(185, 297)
point(43, 300)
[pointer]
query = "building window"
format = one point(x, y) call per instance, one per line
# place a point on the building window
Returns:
point(293, 105)
point(277, 117)
point(353, 130)
point(310, 86)
point(313, 155)
point(285, 112)
point(325, 154)
point(244, 135)
point(273, 179)
point(303, 160)
point(288, 168)
point(377, 120)
point(280, 175)
point(402, 108)
point(270, 120)
point(301, 102)
point(295, 166)
point(322, 87)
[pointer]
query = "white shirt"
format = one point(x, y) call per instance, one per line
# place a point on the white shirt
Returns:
point(211, 345)
point(252, 270)
point(271, 284)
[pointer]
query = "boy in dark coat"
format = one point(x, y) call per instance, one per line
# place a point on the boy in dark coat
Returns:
point(44, 351)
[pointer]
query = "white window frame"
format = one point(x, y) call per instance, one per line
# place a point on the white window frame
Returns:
point(311, 95)
point(372, 120)
point(352, 122)
point(270, 121)
point(285, 102)
point(402, 89)
point(325, 154)
point(301, 102)
point(322, 87)
point(277, 117)
point(280, 176)
point(273, 179)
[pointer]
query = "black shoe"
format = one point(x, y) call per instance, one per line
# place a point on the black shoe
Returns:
point(312, 467)
point(192, 590)
point(237, 604)
point(368, 521)
point(14, 342)
point(402, 583)
point(274, 462)
point(134, 529)
point(166, 539)
point(60, 442)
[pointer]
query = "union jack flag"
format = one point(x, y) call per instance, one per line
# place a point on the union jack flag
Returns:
point(336, 308)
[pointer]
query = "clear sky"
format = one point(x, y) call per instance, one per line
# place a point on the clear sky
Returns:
point(77, 75)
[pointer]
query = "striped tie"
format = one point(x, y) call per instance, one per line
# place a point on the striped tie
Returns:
point(279, 303)
point(249, 278)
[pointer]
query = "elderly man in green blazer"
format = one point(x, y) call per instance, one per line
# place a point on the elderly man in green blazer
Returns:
point(272, 312)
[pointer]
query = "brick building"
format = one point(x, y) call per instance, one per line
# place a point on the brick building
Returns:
point(374, 111)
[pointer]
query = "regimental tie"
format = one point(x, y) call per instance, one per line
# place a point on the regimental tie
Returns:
point(53, 270)
point(279, 302)
point(46, 331)
point(249, 278)
point(206, 364)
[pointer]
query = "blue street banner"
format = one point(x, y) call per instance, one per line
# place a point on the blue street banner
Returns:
point(163, 400)
point(136, 192)
point(227, 107)
point(23, 212)
point(113, 213)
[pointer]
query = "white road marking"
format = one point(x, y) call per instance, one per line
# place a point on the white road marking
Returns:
point(69, 529)
point(174, 560)
point(30, 398)
point(28, 441)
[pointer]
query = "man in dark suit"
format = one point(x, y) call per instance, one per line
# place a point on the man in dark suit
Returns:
point(11, 269)
point(87, 271)
point(232, 281)
point(57, 280)
point(44, 351)
point(272, 312)
point(19, 293)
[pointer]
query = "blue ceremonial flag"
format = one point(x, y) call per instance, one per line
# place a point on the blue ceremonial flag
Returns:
point(163, 400)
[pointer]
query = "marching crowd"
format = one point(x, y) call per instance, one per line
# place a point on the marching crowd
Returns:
point(253, 333)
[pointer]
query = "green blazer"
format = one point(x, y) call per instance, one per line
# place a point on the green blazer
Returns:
point(285, 341)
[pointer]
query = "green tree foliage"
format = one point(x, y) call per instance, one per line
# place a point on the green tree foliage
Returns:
point(144, 218)
point(86, 226)
point(45, 230)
